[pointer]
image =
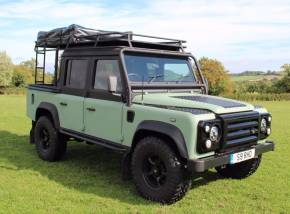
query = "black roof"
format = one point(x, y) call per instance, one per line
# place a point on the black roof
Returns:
point(76, 36)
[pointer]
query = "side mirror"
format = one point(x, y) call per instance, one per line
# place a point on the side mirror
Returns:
point(112, 84)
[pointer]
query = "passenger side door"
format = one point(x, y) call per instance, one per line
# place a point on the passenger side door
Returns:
point(71, 100)
point(103, 109)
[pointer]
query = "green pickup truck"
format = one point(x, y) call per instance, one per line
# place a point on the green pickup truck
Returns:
point(146, 97)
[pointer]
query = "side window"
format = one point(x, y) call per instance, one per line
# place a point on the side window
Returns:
point(104, 69)
point(76, 71)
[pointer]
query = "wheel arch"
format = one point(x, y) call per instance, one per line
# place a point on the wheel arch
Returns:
point(50, 110)
point(163, 130)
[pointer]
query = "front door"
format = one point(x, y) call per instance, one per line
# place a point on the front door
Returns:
point(71, 100)
point(103, 109)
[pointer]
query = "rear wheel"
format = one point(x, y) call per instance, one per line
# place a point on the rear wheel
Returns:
point(50, 145)
point(240, 170)
point(157, 171)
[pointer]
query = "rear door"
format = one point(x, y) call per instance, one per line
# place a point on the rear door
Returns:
point(103, 109)
point(71, 100)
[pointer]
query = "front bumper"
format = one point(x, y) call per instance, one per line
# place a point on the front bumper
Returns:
point(201, 165)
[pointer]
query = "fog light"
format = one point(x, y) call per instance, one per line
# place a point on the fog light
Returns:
point(268, 131)
point(208, 144)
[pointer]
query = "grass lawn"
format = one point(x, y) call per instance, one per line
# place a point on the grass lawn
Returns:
point(88, 180)
point(253, 77)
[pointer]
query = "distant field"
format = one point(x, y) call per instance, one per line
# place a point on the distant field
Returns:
point(88, 180)
point(252, 77)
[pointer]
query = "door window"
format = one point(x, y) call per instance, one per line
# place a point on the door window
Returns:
point(76, 73)
point(105, 69)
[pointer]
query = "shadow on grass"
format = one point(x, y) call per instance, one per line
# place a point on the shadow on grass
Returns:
point(86, 168)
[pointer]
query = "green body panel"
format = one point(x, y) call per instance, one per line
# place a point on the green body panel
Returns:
point(105, 122)
point(186, 122)
point(70, 116)
point(109, 120)
point(167, 99)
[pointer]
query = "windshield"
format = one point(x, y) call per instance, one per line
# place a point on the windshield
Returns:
point(158, 69)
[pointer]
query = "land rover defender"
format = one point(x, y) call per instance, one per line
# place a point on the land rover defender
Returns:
point(146, 97)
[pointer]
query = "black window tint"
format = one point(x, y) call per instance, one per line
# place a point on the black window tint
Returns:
point(104, 69)
point(76, 73)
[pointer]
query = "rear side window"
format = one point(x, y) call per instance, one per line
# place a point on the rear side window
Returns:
point(104, 69)
point(76, 73)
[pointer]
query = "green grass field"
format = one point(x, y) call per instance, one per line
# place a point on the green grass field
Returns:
point(252, 77)
point(88, 180)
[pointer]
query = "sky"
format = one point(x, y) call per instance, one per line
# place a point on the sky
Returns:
point(242, 34)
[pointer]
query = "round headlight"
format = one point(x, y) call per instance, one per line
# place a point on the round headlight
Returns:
point(263, 125)
point(214, 133)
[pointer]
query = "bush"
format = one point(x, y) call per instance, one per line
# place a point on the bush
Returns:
point(12, 91)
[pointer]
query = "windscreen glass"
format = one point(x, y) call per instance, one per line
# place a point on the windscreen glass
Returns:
point(150, 69)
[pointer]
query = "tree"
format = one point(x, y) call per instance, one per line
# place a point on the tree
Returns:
point(217, 76)
point(29, 64)
point(22, 76)
point(6, 69)
point(283, 85)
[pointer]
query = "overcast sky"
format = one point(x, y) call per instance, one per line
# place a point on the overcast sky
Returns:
point(244, 35)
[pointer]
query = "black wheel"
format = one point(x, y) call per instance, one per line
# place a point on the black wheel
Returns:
point(50, 145)
point(158, 172)
point(240, 170)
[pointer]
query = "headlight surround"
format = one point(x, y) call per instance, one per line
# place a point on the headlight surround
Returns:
point(209, 135)
point(265, 126)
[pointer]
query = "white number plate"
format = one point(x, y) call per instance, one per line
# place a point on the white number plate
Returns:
point(242, 156)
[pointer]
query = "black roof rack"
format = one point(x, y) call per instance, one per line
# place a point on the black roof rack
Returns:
point(75, 35)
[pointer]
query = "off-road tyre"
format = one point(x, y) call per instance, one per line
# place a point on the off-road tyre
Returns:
point(50, 144)
point(240, 170)
point(174, 182)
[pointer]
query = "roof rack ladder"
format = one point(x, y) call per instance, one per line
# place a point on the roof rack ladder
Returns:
point(39, 52)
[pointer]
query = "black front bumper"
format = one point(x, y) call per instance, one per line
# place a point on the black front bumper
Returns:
point(201, 165)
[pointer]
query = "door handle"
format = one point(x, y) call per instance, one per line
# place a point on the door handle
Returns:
point(91, 109)
point(63, 104)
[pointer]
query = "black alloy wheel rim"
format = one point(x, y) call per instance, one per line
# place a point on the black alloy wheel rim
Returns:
point(154, 171)
point(44, 138)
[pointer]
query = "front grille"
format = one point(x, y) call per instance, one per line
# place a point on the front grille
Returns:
point(239, 129)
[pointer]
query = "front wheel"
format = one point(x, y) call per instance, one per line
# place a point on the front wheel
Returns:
point(50, 145)
point(240, 170)
point(157, 171)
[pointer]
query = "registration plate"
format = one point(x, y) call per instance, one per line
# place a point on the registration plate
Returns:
point(242, 156)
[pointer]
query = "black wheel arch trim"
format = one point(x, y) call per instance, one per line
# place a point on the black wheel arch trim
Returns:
point(167, 129)
point(51, 108)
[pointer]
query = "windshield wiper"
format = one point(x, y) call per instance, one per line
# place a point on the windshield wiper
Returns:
point(154, 77)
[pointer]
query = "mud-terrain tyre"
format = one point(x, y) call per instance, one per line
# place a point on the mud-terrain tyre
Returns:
point(240, 170)
point(50, 145)
point(158, 172)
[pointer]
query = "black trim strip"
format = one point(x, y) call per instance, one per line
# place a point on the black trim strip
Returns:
point(46, 88)
point(95, 140)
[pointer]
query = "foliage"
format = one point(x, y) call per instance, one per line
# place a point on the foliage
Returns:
point(89, 180)
point(283, 85)
point(22, 75)
point(6, 69)
point(217, 76)
point(30, 64)
point(12, 90)
point(260, 96)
